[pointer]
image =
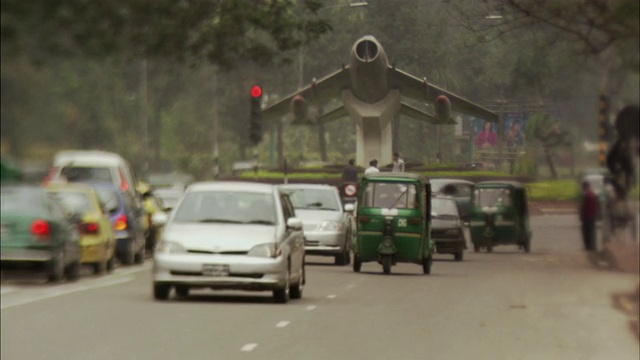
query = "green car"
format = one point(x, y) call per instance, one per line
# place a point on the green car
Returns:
point(36, 234)
point(393, 221)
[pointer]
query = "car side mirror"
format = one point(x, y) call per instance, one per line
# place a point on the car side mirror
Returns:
point(349, 208)
point(159, 218)
point(294, 223)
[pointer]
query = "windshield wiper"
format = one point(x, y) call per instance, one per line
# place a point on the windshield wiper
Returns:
point(227, 221)
point(262, 222)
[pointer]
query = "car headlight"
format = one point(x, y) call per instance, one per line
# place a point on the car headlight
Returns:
point(330, 225)
point(170, 247)
point(265, 250)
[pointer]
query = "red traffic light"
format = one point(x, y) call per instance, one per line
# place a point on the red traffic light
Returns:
point(256, 91)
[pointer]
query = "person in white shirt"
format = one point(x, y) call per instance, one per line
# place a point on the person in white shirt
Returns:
point(373, 167)
point(398, 164)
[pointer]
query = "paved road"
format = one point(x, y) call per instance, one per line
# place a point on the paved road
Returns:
point(549, 304)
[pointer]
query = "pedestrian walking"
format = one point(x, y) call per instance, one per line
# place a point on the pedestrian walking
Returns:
point(373, 167)
point(398, 164)
point(350, 172)
point(589, 216)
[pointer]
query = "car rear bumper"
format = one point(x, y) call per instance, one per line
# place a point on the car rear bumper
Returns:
point(244, 272)
point(26, 255)
point(449, 246)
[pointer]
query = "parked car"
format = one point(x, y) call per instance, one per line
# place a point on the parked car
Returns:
point(97, 241)
point(36, 233)
point(231, 235)
point(446, 228)
point(327, 226)
point(458, 190)
point(126, 221)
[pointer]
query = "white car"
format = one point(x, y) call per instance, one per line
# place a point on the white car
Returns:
point(328, 226)
point(230, 235)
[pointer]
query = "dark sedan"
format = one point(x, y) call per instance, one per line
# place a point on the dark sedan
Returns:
point(447, 228)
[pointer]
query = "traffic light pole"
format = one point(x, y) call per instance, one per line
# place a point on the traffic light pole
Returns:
point(603, 118)
point(216, 149)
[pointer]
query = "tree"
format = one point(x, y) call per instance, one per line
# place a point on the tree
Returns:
point(218, 31)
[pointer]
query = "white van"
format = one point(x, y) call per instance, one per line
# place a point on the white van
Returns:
point(93, 166)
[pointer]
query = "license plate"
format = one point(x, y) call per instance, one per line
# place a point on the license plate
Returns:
point(215, 270)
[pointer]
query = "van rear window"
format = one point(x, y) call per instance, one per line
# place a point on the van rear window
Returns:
point(81, 174)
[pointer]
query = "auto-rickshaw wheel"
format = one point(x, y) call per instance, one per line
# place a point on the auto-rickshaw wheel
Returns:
point(426, 265)
point(357, 263)
point(386, 264)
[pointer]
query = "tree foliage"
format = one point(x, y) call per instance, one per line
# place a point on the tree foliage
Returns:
point(219, 31)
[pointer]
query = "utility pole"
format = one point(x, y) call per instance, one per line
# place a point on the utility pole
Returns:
point(216, 150)
point(144, 117)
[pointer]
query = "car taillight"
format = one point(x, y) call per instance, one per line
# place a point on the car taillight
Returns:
point(89, 228)
point(40, 228)
point(121, 223)
point(124, 185)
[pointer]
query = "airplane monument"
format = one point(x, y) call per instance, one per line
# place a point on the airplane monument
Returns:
point(371, 92)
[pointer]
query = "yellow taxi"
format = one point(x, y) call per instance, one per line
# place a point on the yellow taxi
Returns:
point(97, 239)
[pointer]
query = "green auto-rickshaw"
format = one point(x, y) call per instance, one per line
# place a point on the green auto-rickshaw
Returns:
point(393, 220)
point(500, 216)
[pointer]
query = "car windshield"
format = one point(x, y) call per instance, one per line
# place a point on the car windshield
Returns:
point(493, 197)
point(75, 202)
point(227, 207)
point(443, 207)
point(83, 174)
point(314, 199)
point(17, 200)
point(391, 196)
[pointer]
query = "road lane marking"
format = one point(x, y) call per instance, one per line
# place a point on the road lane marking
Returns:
point(248, 347)
point(311, 307)
point(331, 296)
point(350, 286)
point(65, 291)
point(282, 324)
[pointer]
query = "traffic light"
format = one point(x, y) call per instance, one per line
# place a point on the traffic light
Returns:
point(255, 126)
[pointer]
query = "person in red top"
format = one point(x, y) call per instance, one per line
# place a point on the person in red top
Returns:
point(588, 216)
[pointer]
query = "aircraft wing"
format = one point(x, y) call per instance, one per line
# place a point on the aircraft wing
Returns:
point(315, 93)
point(335, 114)
point(420, 89)
point(415, 113)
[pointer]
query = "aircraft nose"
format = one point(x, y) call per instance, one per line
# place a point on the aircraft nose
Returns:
point(366, 50)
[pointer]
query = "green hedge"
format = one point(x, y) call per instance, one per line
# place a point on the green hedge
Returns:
point(553, 190)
